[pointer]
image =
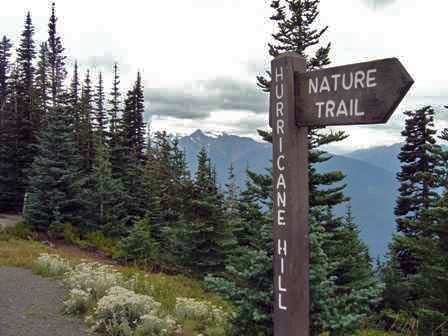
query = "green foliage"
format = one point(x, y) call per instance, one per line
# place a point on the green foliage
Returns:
point(415, 276)
point(139, 246)
point(98, 241)
point(54, 181)
point(70, 234)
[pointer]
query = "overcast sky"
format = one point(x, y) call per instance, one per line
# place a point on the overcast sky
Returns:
point(199, 58)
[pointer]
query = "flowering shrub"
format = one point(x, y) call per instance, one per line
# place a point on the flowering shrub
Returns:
point(214, 321)
point(51, 265)
point(151, 325)
point(117, 310)
point(78, 301)
point(94, 278)
point(120, 307)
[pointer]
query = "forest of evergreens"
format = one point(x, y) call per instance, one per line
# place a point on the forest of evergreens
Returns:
point(78, 159)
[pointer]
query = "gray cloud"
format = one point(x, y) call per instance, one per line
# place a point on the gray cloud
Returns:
point(104, 62)
point(376, 4)
point(197, 101)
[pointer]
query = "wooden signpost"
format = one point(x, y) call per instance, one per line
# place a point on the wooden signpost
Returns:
point(364, 93)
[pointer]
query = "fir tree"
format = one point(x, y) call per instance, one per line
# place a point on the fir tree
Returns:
point(108, 197)
point(27, 129)
point(133, 126)
point(418, 179)
point(8, 134)
point(139, 245)
point(115, 142)
point(5, 68)
point(416, 251)
point(42, 87)
point(87, 141)
point(209, 237)
point(100, 111)
point(54, 195)
point(56, 61)
point(75, 103)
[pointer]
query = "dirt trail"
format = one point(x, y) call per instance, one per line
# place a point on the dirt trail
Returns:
point(9, 220)
point(31, 305)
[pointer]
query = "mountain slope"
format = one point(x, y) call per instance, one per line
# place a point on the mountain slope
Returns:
point(385, 157)
point(372, 189)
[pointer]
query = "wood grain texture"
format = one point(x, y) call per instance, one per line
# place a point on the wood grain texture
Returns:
point(377, 103)
point(290, 227)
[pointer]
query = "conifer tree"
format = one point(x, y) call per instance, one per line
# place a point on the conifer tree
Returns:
point(133, 126)
point(87, 141)
point(100, 111)
point(417, 244)
point(209, 237)
point(75, 103)
point(27, 130)
point(42, 87)
point(5, 68)
point(418, 179)
point(114, 140)
point(54, 191)
point(139, 246)
point(56, 61)
point(8, 134)
point(108, 197)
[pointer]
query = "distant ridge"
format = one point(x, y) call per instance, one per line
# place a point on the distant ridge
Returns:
point(370, 177)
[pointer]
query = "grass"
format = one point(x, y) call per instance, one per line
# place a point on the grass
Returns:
point(164, 288)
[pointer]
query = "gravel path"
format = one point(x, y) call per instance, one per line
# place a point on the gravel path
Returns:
point(32, 306)
point(7, 220)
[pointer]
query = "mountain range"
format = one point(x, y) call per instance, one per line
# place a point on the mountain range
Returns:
point(370, 177)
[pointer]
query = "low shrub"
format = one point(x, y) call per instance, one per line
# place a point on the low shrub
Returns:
point(93, 278)
point(51, 265)
point(79, 301)
point(151, 325)
point(71, 236)
point(210, 319)
point(119, 307)
point(98, 241)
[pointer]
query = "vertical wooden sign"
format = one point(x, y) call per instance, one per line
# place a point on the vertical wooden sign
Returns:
point(290, 180)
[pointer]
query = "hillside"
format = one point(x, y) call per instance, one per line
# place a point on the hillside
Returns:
point(370, 177)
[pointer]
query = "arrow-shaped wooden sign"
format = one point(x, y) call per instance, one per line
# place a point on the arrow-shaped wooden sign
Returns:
point(363, 93)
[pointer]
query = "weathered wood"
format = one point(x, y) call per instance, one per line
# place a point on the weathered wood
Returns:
point(363, 93)
point(291, 203)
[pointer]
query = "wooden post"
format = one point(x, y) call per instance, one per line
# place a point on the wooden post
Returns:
point(291, 203)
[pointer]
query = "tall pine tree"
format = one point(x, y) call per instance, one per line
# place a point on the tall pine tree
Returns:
point(56, 61)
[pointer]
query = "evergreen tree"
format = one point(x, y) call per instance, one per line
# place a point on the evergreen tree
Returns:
point(416, 251)
point(8, 134)
point(108, 197)
point(75, 103)
point(56, 61)
point(115, 142)
point(139, 246)
point(87, 140)
point(5, 68)
point(100, 112)
point(27, 130)
point(54, 192)
point(209, 238)
point(231, 192)
point(418, 179)
point(42, 88)
point(133, 126)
